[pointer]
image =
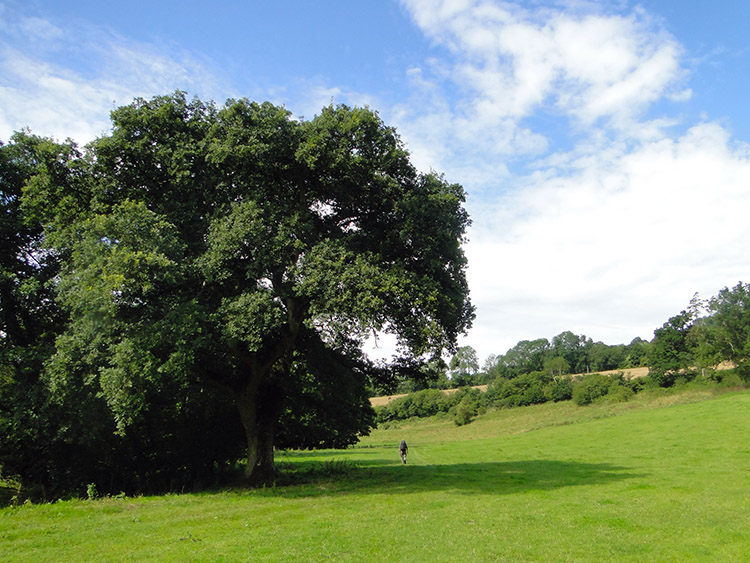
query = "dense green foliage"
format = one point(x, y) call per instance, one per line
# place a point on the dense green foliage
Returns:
point(724, 336)
point(201, 281)
point(670, 353)
point(57, 433)
point(463, 404)
point(503, 393)
point(705, 335)
point(29, 316)
point(567, 353)
point(694, 342)
point(463, 366)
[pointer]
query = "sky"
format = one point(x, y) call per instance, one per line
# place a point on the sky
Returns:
point(604, 146)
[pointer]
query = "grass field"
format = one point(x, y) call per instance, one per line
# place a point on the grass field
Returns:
point(661, 478)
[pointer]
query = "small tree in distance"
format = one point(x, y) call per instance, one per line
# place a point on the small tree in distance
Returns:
point(670, 350)
point(725, 335)
point(463, 366)
point(557, 366)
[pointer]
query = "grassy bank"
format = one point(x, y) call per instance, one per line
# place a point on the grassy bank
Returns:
point(662, 478)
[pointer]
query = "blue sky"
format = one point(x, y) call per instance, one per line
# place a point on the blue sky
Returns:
point(604, 145)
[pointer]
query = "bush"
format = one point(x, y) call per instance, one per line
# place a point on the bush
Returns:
point(732, 379)
point(429, 402)
point(463, 413)
point(559, 390)
point(467, 403)
point(420, 404)
point(619, 393)
point(533, 396)
point(590, 388)
point(526, 389)
point(672, 378)
point(639, 384)
point(502, 389)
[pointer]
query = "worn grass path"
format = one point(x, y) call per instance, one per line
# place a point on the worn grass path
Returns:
point(659, 479)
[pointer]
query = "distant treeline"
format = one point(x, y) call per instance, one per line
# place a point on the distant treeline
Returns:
point(523, 390)
point(691, 344)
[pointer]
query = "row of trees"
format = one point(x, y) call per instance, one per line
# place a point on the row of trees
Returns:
point(200, 282)
point(696, 341)
point(707, 333)
point(523, 390)
point(566, 353)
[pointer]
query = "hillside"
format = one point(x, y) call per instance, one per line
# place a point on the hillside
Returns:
point(660, 478)
point(629, 373)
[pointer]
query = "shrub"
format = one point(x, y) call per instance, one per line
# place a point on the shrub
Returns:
point(526, 389)
point(427, 402)
point(619, 393)
point(590, 388)
point(533, 395)
point(559, 390)
point(672, 378)
point(420, 404)
point(467, 403)
point(732, 379)
point(501, 389)
point(464, 412)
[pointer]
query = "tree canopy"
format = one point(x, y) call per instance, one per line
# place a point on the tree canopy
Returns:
point(464, 365)
point(238, 248)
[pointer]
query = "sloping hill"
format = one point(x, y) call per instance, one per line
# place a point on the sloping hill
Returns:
point(663, 477)
point(629, 373)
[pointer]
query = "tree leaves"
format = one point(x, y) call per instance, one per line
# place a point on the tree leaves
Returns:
point(238, 246)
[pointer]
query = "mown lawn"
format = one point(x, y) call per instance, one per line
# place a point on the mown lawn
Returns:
point(658, 479)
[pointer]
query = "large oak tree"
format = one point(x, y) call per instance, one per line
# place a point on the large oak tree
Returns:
point(239, 246)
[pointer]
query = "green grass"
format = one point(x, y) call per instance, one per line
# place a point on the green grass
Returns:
point(662, 478)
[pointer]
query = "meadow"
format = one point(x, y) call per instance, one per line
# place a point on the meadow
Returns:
point(663, 477)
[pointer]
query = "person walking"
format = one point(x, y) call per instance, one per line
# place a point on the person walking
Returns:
point(403, 449)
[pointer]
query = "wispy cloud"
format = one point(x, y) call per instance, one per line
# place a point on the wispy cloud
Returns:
point(511, 62)
point(39, 89)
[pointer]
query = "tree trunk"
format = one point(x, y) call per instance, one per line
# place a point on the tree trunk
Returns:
point(266, 468)
point(270, 407)
point(260, 399)
point(247, 404)
point(259, 406)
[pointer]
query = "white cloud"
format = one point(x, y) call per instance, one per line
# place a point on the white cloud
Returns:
point(317, 95)
point(39, 90)
point(614, 247)
point(592, 64)
point(605, 230)
point(611, 235)
point(51, 101)
point(40, 30)
point(511, 62)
